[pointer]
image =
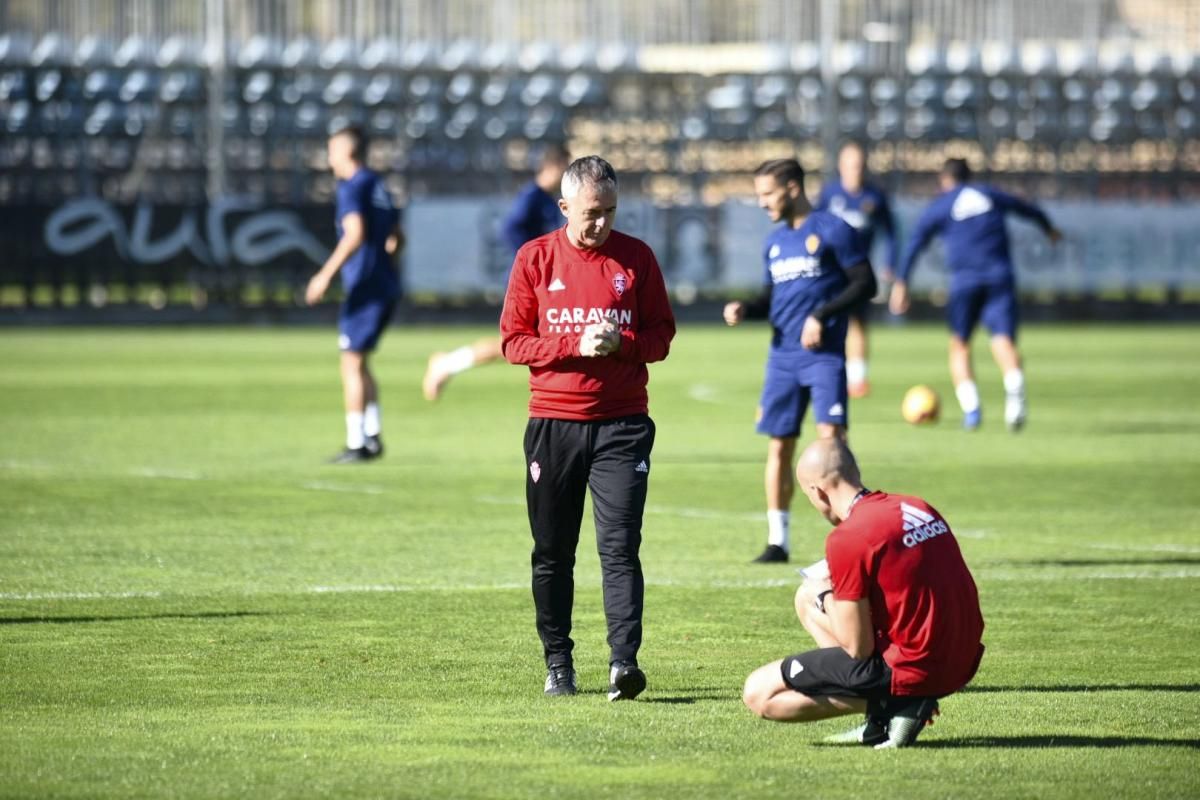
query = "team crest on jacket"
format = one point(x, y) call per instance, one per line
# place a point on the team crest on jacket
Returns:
point(812, 243)
point(619, 284)
point(535, 471)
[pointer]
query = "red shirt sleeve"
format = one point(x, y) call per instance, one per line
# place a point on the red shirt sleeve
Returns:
point(520, 340)
point(847, 566)
point(656, 322)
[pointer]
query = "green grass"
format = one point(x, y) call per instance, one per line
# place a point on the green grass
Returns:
point(192, 605)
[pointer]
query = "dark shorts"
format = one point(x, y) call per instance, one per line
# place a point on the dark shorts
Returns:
point(993, 304)
point(361, 324)
point(791, 386)
point(830, 672)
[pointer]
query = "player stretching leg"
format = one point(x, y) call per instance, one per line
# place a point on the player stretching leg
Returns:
point(864, 207)
point(815, 271)
point(534, 213)
point(369, 236)
point(970, 219)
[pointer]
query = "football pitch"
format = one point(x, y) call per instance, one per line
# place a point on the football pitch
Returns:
point(193, 605)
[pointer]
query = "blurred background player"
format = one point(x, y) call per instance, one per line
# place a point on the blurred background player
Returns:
point(369, 237)
point(897, 619)
point(864, 207)
point(816, 270)
point(970, 219)
point(586, 310)
point(535, 212)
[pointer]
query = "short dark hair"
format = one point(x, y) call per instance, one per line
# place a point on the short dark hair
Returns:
point(358, 141)
point(587, 171)
point(957, 170)
point(555, 153)
point(783, 170)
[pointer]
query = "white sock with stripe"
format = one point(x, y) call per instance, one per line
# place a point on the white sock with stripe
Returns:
point(968, 396)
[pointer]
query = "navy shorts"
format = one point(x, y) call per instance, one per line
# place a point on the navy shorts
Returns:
point(794, 383)
point(361, 324)
point(993, 304)
point(831, 672)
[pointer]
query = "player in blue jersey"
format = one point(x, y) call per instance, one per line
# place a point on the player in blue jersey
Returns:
point(969, 217)
point(816, 270)
point(535, 212)
point(864, 207)
point(369, 237)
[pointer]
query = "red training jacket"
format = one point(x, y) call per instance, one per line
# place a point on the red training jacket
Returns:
point(554, 292)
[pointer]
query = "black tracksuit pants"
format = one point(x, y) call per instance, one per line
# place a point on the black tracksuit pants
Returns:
point(564, 459)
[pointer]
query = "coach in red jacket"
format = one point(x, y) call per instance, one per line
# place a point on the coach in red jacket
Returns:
point(586, 310)
point(897, 619)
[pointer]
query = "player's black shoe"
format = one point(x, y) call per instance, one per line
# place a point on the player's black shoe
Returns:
point(625, 681)
point(560, 681)
point(774, 554)
point(909, 716)
point(352, 455)
point(374, 446)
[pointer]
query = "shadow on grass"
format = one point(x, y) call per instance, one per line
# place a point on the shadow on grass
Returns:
point(692, 697)
point(1099, 562)
point(130, 618)
point(1116, 687)
point(1057, 741)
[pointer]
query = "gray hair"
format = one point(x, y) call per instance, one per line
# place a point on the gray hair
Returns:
point(589, 171)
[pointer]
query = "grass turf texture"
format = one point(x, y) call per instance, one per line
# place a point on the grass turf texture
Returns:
point(192, 605)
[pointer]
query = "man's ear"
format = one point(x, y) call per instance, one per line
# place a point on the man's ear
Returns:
point(562, 206)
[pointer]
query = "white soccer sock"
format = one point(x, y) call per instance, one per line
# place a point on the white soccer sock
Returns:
point(1014, 382)
point(777, 527)
point(459, 360)
point(372, 425)
point(968, 396)
point(354, 430)
point(856, 371)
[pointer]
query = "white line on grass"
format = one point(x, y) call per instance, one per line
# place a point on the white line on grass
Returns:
point(76, 595)
point(703, 393)
point(1149, 548)
point(322, 486)
point(168, 474)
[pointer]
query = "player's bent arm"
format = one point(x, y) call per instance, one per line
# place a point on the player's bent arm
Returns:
point(851, 623)
point(520, 341)
point(860, 286)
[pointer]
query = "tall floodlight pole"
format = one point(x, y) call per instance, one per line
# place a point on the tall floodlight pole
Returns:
point(829, 106)
point(214, 13)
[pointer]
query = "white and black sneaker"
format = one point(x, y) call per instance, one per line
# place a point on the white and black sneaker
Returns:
point(374, 445)
point(909, 716)
point(560, 681)
point(625, 681)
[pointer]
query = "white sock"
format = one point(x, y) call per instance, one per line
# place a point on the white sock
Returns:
point(968, 396)
point(371, 423)
point(459, 360)
point(1014, 382)
point(856, 371)
point(354, 430)
point(777, 527)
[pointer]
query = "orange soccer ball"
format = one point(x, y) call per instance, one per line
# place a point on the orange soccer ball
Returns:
point(921, 405)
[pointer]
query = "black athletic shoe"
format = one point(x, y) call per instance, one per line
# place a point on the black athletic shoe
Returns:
point(625, 681)
point(560, 681)
point(774, 554)
point(352, 455)
point(871, 732)
point(374, 446)
point(909, 716)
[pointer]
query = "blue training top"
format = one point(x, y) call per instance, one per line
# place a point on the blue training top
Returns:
point(868, 212)
point(805, 268)
point(369, 272)
point(534, 213)
point(970, 219)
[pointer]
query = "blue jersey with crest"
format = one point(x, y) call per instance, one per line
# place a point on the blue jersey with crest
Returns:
point(866, 211)
point(370, 271)
point(805, 268)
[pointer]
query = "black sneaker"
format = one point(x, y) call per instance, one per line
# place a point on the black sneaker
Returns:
point(352, 455)
point(560, 681)
point(374, 446)
point(909, 716)
point(625, 681)
point(774, 554)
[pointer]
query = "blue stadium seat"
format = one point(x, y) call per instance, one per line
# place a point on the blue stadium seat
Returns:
point(460, 88)
point(133, 52)
point(538, 87)
point(339, 53)
point(581, 89)
point(181, 86)
point(461, 54)
point(380, 54)
point(139, 85)
point(53, 49)
point(260, 52)
point(300, 53)
point(18, 117)
point(15, 49)
point(178, 51)
point(341, 86)
point(258, 86)
point(14, 86)
point(382, 89)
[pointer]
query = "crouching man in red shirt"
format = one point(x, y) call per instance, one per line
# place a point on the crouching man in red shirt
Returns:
point(586, 310)
point(897, 620)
